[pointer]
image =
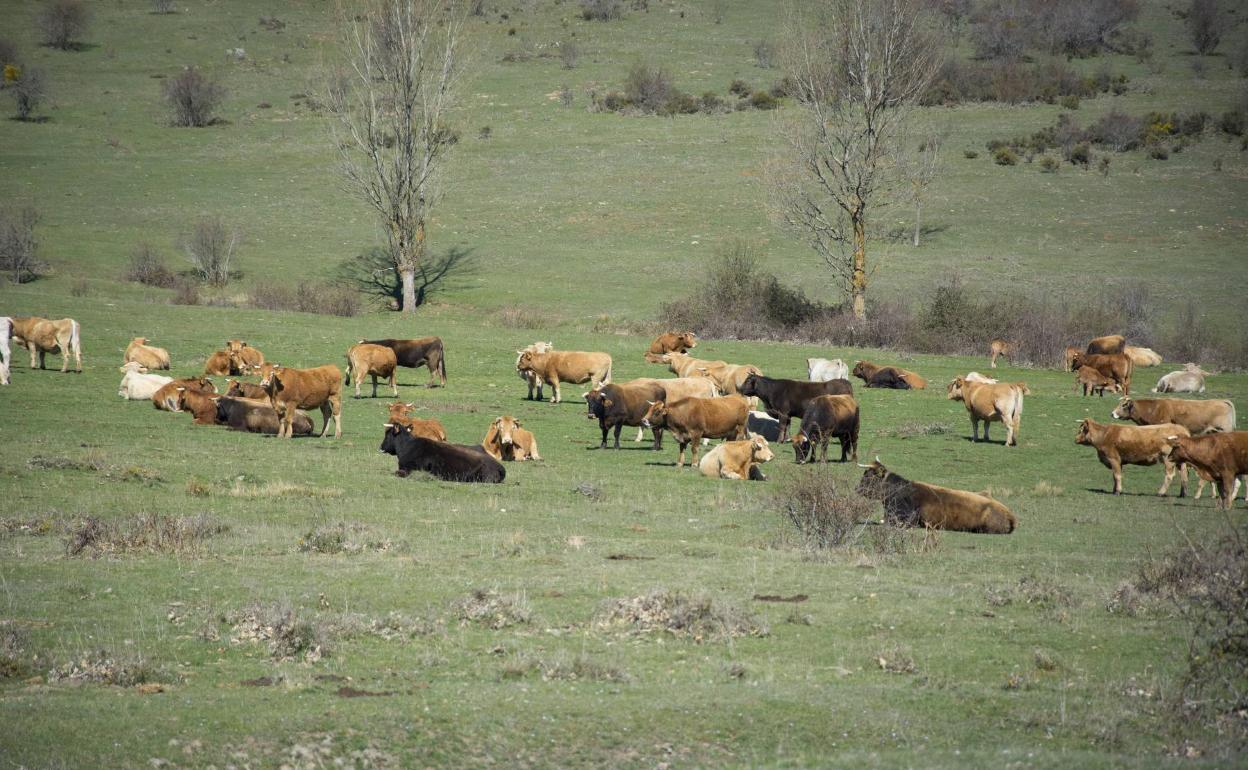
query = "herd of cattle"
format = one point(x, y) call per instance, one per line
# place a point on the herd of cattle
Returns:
point(704, 400)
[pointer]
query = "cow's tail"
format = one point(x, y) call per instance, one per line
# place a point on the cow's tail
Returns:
point(442, 366)
point(75, 340)
point(346, 379)
point(1233, 421)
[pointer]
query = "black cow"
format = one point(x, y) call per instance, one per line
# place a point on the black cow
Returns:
point(254, 417)
point(449, 462)
point(787, 399)
point(886, 377)
point(826, 418)
point(615, 406)
point(426, 351)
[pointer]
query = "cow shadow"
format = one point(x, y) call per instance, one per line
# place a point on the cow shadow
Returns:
point(992, 441)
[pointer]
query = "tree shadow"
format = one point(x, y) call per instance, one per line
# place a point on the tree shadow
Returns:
point(373, 273)
point(37, 121)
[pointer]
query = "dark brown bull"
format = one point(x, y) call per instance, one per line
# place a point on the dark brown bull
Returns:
point(426, 351)
point(615, 406)
point(915, 504)
point(826, 418)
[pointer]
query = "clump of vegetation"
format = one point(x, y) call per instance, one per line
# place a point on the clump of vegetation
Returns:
point(63, 23)
point(895, 659)
point(15, 657)
point(564, 667)
point(341, 538)
point(287, 635)
point(211, 247)
point(147, 267)
point(19, 246)
point(1038, 591)
point(823, 517)
point(143, 532)
point(103, 667)
point(1011, 82)
point(306, 297)
point(493, 610)
point(650, 90)
point(602, 10)
point(697, 617)
point(192, 98)
point(28, 87)
point(1004, 156)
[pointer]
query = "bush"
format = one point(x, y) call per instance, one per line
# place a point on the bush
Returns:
point(602, 10)
point(761, 100)
point(970, 154)
point(648, 88)
point(785, 86)
point(63, 22)
point(1117, 130)
point(18, 245)
point(1204, 25)
point(823, 518)
point(148, 268)
point(210, 247)
point(192, 98)
point(305, 297)
point(569, 54)
point(163, 6)
point(711, 103)
point(1232, 122)
point(29, 90)
point(1049, 165)
point(739, 88)
point(1081, 154)
point(1070, 101)
point(1159, 152)
point(764, 54)
point(1004, 156)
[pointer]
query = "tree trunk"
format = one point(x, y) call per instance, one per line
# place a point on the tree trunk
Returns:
point(858, 279)
point(408, 274)
point(918, 212)
point(407, 266)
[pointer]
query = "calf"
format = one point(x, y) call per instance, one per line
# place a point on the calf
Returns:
point(426, 351)
point(238, 388)
point(1068, 358)
point(1223, 456)
point(999, 348)
point(365, 360)
point(6, 331)
point(137, 385)
point(691, 419)
point(615, 406)
point(532, 378)
point(449, 462)
point(737, 460)
point(828, 417)
point(1191, 379)
point(430, 428)
point(1118, 445)
point(201, 406)
point(1002, 402)
point(1199, 417)
point(786, 399)
point(822, 370)
point(1113, 343)
point(166, 399)
point(149, 356)
point(671, 342)
point(291, 389)
point(40, 336)
point(1116, 366)
point(255, 416)
point(913, 503)
point(506, 440)
point(1093, 381)
point(221, 364)
point(1142, 356)
point(245, 356)
point(880, 376)
point(567, 366)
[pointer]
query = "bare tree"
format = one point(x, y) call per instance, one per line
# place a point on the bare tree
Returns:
point(918, 169)
point(391, 105)
point(19, 247)
point(1205, 24)
point(859, 67)
point(210, 247)
point(29, 90)
point(63, 22)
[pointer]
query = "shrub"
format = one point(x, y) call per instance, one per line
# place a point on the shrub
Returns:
point(29, 90)
point(187, 293)
point(1117, 130)
point(764, 54)
point(192, 98)
point(569, 54)
point(1103, 166)
point(761, 100)
point(19, 247)
point(648, 88)
point(602, 10)
point(565, 96)
point(1159, 152)
point(1049, 165)
point(148, 268)
point(163, 6)
point(143, 532)
point(1070, 101)
point(210, 247)
point(785, 86)
point(822, 517)
point(1233, 123)
point(1081, 154)
point(306, 297)
point(692, 616)
point(739, 88)
point(1193, 123)
point(63, 22)
point(711, 103)
point(1004, 156)
point(1204, 25)
point(8, 52)
point(970, 154)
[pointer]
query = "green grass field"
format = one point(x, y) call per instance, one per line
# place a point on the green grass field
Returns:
point(1014, 658)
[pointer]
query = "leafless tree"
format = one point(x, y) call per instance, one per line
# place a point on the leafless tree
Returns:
point(859, 67)
point(29, 90)
point(391, 102)
point(1205, 24)
point(63, 22)
point(210, 247)
point(919, 167)
point(19, 248)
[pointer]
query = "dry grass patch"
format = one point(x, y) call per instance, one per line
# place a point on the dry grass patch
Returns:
point(393, 626)
point(240, 488)
point(349, 538)
point(16, 661)
point(491, 609)
point(914, 429)
point(286, 635)
point(144, 532)
point(103, 667)
point(692, 616)
point(1043, 592)
point(895, 659)
point(563, 667)
point(31, 525)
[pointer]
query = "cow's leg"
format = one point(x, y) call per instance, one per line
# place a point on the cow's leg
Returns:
point(336, 401)
point(605, 430)
point(756, 473)
point(697, 446)
point(658, 438)
point(1226, 486)
point(556, 397)
point(394, 381)
point(356, 375)
point(1115, 466)
point(326, 411)
point(974, 428)
point(64, 346)
point(1182, 479)
point(993, 365)
point(374, 385)
point(680, 460)
point(618, 427)
point(1170, 468)
point(725, 473)
point(43, 359)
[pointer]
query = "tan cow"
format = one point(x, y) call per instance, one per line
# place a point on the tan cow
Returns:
point(1142, 356)
point(1002, 402)
point(40, 336)
point(1116, 366)
point(1068, 358)
point(1093, 381)
point(692, 419)
point(685, 365)
point(365, 360)
point(671, 342)
point(292, 389)
point(532, 378)
point(1113, 343)
point(150, 356)
point(916, 504)
point(567, 366)
point(430, 429)
point(737, 460)
point(221, 364)
point(999, 348)
point(1199, 417)
point(729, 378)
point(1118, 445)
point(867, 371)
point(166, 399)
point(506, 440)
point(245, 356)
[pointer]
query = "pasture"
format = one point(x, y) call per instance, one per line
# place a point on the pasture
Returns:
point(423, 623)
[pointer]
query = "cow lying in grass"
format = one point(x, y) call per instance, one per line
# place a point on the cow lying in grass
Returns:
point(506, 440)
point(149, 356)
point(256, 416)
point(449, 462)
point(166, 399)
point(137, 384)
point(874, 376)
point(671, 342)
point(431, 428)
point(240, 389)
point(1189, 379)
point(737, 460)
point(915, 504)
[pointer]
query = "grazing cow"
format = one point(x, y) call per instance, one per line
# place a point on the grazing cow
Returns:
point(138, 385)
point(255, 416)
point(6, 331)
point(880, 376)
point(532, 378)
point(426, 351)
point(999, 348)
point(977, 377)
point(1095, 382)
point(1116, 366)
point(150, 356)
point(1191, 379)
point(822, 370)
point(291, 389)
point(166, 399)
point(40, 336)
point(692, 419)
point(1118, 445)
point(1199, 417)
point(763, 424)
point(672, 342)
point(915, 504)
point(1113, 343)
point(430, 428)
point(615, 406)
point(449, 462)
point(1223, 456)
point(202, 406)
point(506, 440)
point(365, 360)
point(567, 366)
point(245, 357)
point(1002, 403)
point(737, 460)
point(238, 388)
point(1069, 357)
point(828, 417)
point(1142, 356)
point(674, 389)
point(222, 364)
point(786, 399)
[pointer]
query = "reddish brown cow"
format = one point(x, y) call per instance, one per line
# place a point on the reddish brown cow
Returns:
point(238, 388)
point(166, 398)
point(691, 419)
point(292, 389)
point(1116, 366)
point(1118, 445)
point(1223, 456)
point(431, 428)
point(245, 356)
point(1113, 343)
point(671, 342)
point(202, 406)
point(221, 364)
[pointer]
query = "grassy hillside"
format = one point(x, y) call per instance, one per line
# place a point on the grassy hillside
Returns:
point(906, 650)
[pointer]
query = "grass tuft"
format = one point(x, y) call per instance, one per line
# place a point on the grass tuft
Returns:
point(144, 532)
point(692, 616)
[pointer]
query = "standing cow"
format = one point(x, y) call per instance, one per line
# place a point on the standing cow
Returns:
point(530, 377)
point(572, 366)
point(413, 354)
point(6, 331)
point(690, 420)
point(826, 418)
point(292, 389)
point(1000, 348)
point(40, 336)
point(365, 360)
point(1002, 402)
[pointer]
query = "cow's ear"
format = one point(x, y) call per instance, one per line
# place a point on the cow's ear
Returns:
point(517, 423)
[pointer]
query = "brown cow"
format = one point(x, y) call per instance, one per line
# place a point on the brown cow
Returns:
point(826, 418)
point(1116, 366)
point(41, 336)
point(256, 416)
point(506, 440)
point(221, 364)
point(1118, 445)
point(567, 366)
point(673, 389)
point(737, 460)
point(691, 419)
point(1002, 402)
point(913, 503)
point(365, 360)
point(166, 398)
point(999, 348)
point(868, 372)
point(245, 357)
point(149, 356)
point(672, 342)
point(1113, 343)
point(1223, 456)
point(202, 406)
point(291, 389)
point(240, 389)
point(1199, 417)
point(431, 428)
point(1142, 356)
point(1094, 382)
point(1068, 358)
point(533, 379)
point(426, 351)
point(685, 365)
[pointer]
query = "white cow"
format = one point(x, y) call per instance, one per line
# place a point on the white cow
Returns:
point(6, 331)
point(1190, 379)
point(138, 385)
point(822, 370)
point(533, 379)
point(977, 377)
point(763, 424)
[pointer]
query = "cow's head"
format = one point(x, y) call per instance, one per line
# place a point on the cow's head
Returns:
point(1125, 410)
point(656, 415)
point(205, 385)
point(688, 339)
point(389, 440)
point(860, 369)
point(1181, 449)
point(1077, 360)
point(955, 388)
point(760, 450)
point(1194, 369)
point(234, 346)
point(1084, 436)
point(270, 377)
point(139, 341)
point(506, 427)
point(133, 367)
point(595, 404)
point(234, 388)
point(750, 386)
point(399, 409)
point(525, 362)
point(872, 483)
point(801, 442)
